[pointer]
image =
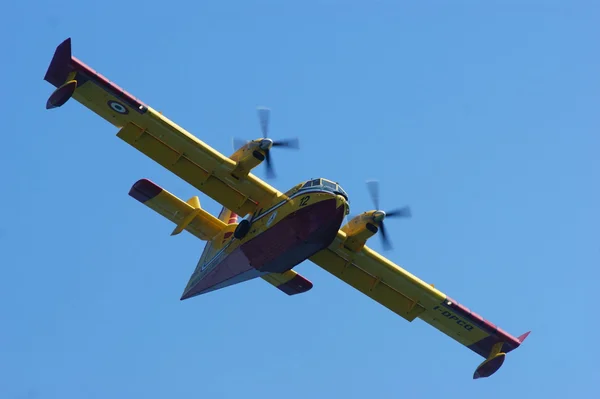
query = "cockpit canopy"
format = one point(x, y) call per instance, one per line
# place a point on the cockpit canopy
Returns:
point(326, 185)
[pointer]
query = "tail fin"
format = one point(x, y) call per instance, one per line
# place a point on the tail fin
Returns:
point(227, 216)
point(212, 246)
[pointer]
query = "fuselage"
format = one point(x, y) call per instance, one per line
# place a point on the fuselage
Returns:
point(296, 226)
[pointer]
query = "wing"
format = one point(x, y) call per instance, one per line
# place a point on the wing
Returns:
point(410, 297)
point(187, 216)
point(154, 135)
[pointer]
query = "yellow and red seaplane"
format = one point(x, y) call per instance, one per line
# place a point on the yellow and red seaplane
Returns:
point(260, 231)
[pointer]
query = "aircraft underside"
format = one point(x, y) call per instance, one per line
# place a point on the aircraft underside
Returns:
point(278, 249)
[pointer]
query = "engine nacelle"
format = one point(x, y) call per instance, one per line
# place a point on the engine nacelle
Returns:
point(359, 230)
point(246, 158)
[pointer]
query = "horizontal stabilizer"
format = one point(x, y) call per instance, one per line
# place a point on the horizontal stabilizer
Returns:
point(289, 282)
point(186, 215)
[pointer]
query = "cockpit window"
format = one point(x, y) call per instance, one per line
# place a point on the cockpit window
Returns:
point(328, 184)
point(341, 190)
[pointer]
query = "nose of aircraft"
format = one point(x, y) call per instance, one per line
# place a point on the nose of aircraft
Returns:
point(341, 201)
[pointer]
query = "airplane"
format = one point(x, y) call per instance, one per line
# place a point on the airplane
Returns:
point(262, 232)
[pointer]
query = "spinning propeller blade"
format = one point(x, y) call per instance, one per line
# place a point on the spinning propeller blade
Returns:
point(289, 143)
point(239, 143)
point(399, 213)
point(385, 241)
point(264, 117)
point(266, 144)
point(373, 187)
point(269, 165)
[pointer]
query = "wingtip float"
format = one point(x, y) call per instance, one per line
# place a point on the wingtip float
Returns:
point(277, 230)
point(495, 359)
point(61, 95)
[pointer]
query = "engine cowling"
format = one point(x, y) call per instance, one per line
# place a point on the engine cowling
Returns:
point(247, 158)
point(359, 229)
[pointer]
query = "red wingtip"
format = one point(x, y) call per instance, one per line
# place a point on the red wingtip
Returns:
point(144, 190)
point(522, 337)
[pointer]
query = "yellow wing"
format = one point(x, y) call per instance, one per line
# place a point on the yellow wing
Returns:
point(410, 297)
point(154, 135)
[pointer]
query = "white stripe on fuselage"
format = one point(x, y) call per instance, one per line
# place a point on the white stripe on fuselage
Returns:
point(279, 204)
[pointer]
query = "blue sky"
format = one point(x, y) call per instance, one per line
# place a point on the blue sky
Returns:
point(482, 117)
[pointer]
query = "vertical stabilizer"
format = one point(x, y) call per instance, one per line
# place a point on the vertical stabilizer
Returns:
point(211, 248)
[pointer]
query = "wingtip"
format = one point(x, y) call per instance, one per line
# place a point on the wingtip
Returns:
point(66, 44)
point(59, 67)
point(144, 190)
point(522, 337)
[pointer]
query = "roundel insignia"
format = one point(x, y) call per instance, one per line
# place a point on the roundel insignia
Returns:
point(271, 218)
point(118, 107)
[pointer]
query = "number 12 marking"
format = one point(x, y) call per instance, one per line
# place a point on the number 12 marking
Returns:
point(304, 200)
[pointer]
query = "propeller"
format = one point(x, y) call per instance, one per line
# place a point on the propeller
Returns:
point(379, 215)
point(264, 116)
